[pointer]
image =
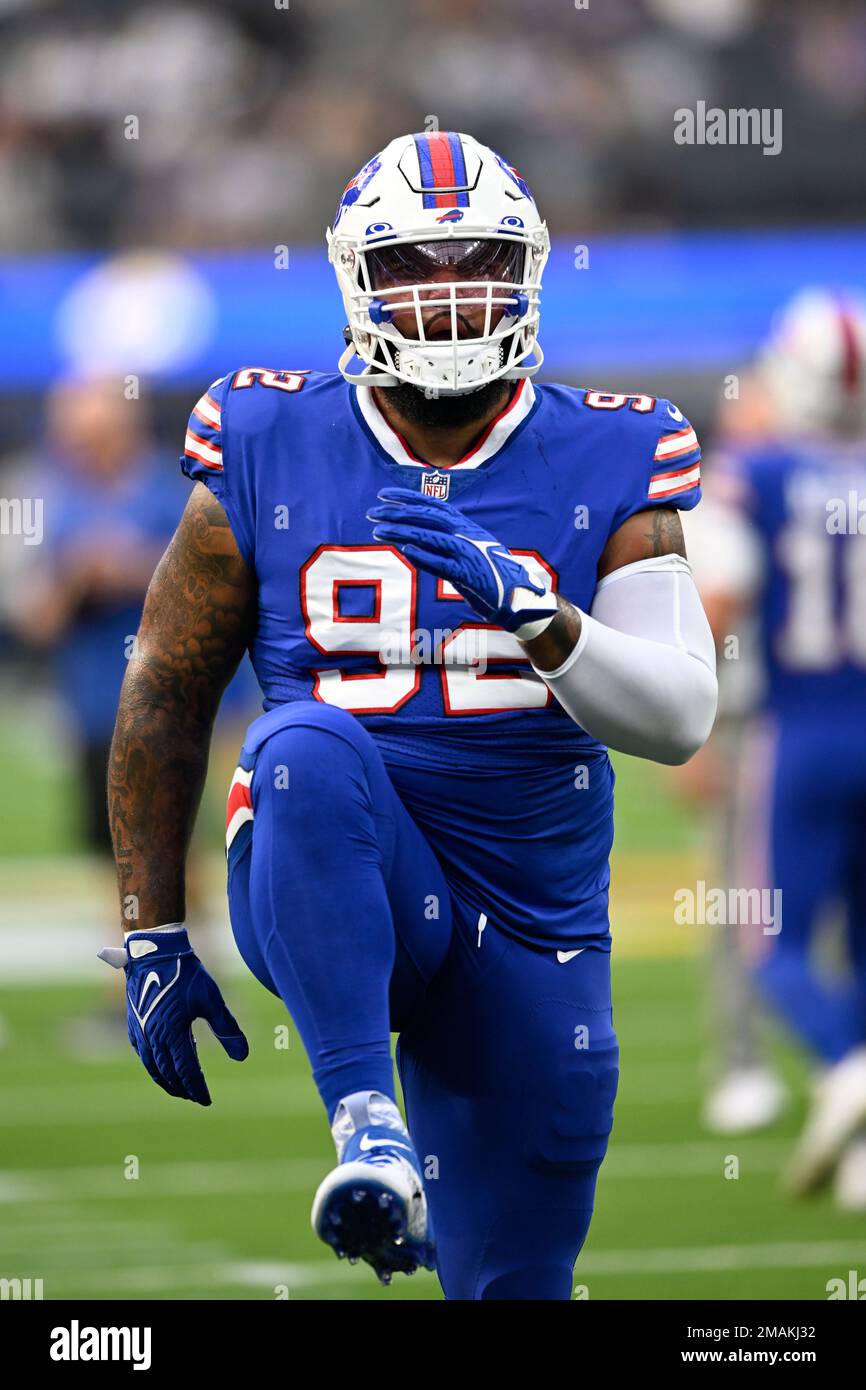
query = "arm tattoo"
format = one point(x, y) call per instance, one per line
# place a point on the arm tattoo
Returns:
point(643, 536)
point(197, 621)
point(665, 534)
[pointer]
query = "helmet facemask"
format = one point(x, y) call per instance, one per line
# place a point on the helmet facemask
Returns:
point(444, 312)
point(439, 251)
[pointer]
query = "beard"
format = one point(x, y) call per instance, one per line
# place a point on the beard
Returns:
point(447, 412)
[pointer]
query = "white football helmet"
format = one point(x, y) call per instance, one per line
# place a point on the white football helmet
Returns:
point(814, 363)
point(434, 225)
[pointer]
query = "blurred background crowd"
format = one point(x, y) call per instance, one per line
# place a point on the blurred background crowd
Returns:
point(253, 113)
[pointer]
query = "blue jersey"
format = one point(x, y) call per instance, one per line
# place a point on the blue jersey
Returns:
point(515, 798)
point(804, 504)
point(138, 513)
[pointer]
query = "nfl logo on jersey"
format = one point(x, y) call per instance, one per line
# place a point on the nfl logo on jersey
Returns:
point(435, 485)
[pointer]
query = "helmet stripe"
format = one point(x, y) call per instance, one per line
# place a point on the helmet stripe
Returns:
point(442, 166)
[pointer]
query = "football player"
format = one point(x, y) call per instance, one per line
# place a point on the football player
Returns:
point(745, 1091)
point(458, 590)
point(793, 504)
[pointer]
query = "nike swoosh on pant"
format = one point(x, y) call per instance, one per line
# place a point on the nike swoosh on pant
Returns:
point(563, 956)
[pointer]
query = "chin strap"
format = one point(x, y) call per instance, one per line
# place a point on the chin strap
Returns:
point(370, 376)
point(378, 376)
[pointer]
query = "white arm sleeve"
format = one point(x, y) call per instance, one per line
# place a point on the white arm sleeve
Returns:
point(642, 676)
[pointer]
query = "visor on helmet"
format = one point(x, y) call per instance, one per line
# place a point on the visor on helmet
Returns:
point(414, 263)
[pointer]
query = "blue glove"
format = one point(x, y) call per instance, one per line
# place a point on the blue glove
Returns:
point(439, 538)
point(167, 987)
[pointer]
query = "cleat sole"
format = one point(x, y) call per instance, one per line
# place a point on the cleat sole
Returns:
point(365, 1223)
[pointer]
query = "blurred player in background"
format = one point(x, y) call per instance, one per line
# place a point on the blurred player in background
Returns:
point(112, 498)
point(111, 503)
point(794, 511)
point(744, 1092)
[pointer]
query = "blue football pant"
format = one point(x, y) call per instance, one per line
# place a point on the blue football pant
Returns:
point(507, 1057)
point(818, 858)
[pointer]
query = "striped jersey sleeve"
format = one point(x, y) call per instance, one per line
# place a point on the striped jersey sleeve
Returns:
point(660, 458)
point(676, 465)
point(202, 458)
point(675, 470)
point(205, 460)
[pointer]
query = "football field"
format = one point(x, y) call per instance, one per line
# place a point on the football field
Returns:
point(110, 1189)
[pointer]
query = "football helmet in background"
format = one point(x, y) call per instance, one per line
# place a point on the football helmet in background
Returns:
point(814, 363)
point(439, 251)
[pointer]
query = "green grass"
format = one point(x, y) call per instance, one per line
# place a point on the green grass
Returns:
point(648, 817)
point(46, 793)
point(36, 760)
point(220, 1208)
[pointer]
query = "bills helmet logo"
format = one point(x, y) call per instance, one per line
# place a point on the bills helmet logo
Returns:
point(355, 187)
point(514, 176)
point(436, 485)
point(453, 215)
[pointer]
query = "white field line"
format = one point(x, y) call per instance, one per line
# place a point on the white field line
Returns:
point(709, 1259)
point(48, 1103)
point(95, 1103)
point(703, 1158)
point(100, 1247)
point(111, 1256)
point(36, 951)
point(255, 1176)
point(714, 1259)
point(199, 1273)
point(104, 1262)
point(193, 1270)
point(162, 1180)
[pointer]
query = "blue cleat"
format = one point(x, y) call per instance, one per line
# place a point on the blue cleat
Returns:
point(372, 1206)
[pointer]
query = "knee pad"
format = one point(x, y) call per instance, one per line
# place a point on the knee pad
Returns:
point(312, 740)
point(529, 1252)
point(569, 1114)
point(549, 1282)
point(305, 717)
